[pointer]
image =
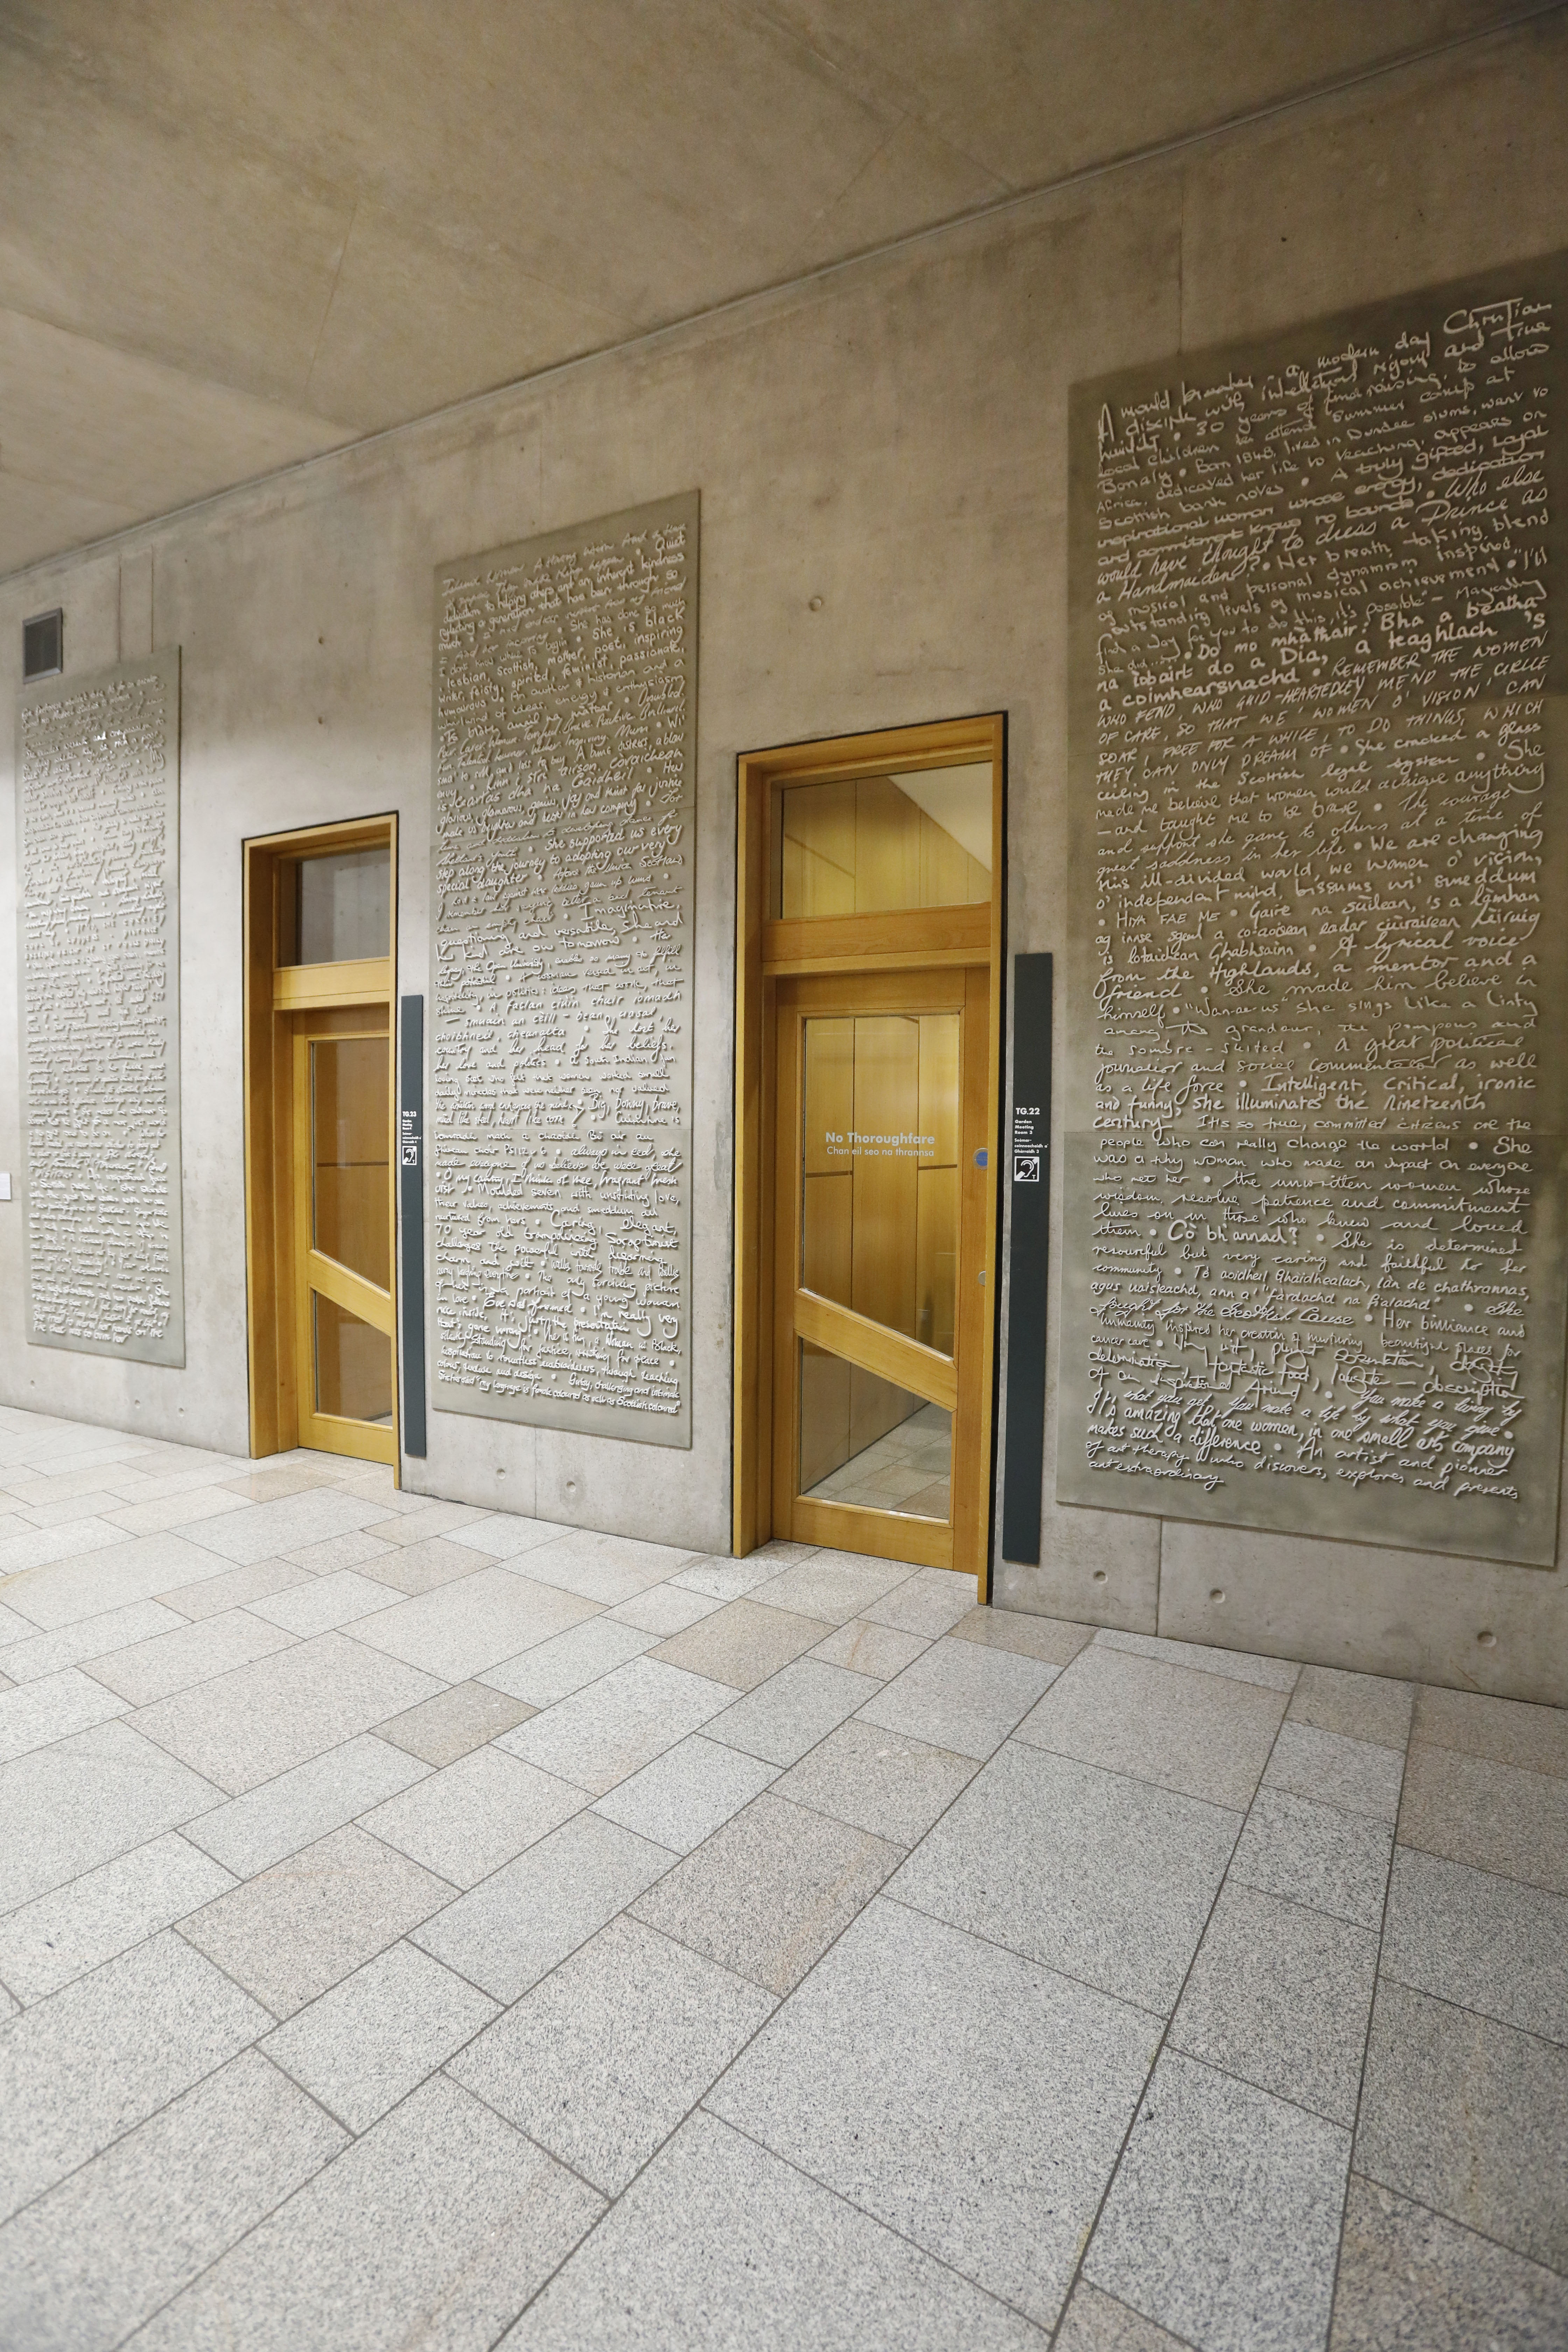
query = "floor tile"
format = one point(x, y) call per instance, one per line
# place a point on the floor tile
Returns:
point(270, 1485)
point(1411, 2280)
point(604, 1568)
point(426, 1519)
point(152, 1477)
point(1055, 1639)
point(1359, 1707)
point(971, 2100)
point(36, 1486)
point(878, 1780)
point(296, 1928)
point(355, 1549)
point(1470, 2117)
point(1107, 1879)
point(502, 1536)
point(717, 2244)
point(1222, 2221)
point(247, 1726)
point(91, 1637)
point(1495, 1816)
point(832, 1585)
point(1467, 1935)
point(525, 1919)
point(253, 1831)
point(460, 1629)
point(1094, 2322)
point(1310, 1854)
point(554, 1669)
point(931, 1601)
point(1281, 1996)
point(108, 2051)
point(687, 1793)
point(36, 1714)
point(961, 1697)
point(1535, 1738)
point(879, 1651)
point(166, 1511)
point(63, 1934)
point(784, 1717)
point(40, 1547)
point(431, 2230)
point(663, 1610)
point(1203, 1735)
point(367, 2042)
point(100, 1504)
point(728, 1580)
point(454, 1722)
point(376, 1480)
point(15, 1628)
point(327, 1601)
point(69, 1807)
point(85, 2265)
point(742, 1644)
point(232, 1588)
point(1201, 1658)
point(1357, 1775)
point(603, 2060)
point(415, 1568)
point(607, 1731)
point(768, 1892)
point(465, 1820)
point(267, 1530)
point(168, 1662)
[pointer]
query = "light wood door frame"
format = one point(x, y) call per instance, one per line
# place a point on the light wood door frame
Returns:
point(767, 952)
point(276, 997)
point(799, 1314)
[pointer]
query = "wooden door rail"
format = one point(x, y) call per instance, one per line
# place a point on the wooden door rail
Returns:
point(908, 1363)
point(352, 1292)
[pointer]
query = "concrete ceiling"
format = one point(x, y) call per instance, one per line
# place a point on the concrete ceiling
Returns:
point(233, 236)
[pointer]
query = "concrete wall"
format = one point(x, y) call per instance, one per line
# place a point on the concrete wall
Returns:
point(890, 439)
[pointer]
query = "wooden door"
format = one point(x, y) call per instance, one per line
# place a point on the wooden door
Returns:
point(880, 1316)
point(342, 1226)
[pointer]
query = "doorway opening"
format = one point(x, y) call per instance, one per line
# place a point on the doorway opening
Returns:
point(867, 1076)
point(320, 1173)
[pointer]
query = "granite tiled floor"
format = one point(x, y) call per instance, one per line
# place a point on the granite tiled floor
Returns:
point(421, 1927)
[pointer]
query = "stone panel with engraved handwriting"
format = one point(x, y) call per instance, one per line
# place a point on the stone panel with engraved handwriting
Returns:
point(1315, 1172)
point(563, 978)
point(97, 829)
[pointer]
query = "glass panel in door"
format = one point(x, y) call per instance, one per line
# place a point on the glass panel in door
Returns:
point(866, 1441)
point(879, 1235)
point(880, 1169)
point(336, 908)
point(876, 844)
point(350, 1195)
point(353, 1365)
point(343, 1228)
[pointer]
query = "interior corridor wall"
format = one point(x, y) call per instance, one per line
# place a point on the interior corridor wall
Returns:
point(882, 454)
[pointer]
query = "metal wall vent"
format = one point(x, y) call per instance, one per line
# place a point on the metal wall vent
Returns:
point(44, 644)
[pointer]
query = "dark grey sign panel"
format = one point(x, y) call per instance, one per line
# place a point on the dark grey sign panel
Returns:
point(98, 950)
point(561, 986)
point(1028, 1256)
point(1313, 1197)
point(411, 1216)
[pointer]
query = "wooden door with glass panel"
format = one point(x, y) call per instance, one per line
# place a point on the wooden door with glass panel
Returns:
point(320, 1174)
point(879, 1308)
point(343, 1230)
